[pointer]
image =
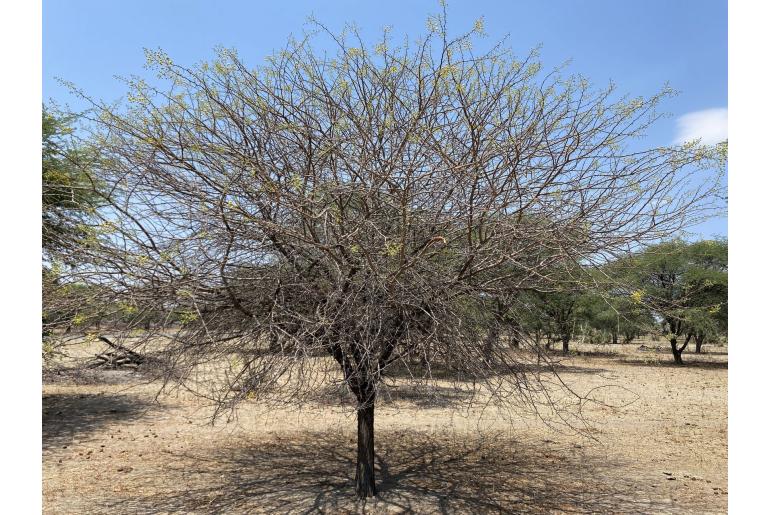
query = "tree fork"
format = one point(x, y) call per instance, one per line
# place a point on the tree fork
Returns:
point(677, 351)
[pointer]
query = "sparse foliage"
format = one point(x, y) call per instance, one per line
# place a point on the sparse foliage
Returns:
point(367, 206)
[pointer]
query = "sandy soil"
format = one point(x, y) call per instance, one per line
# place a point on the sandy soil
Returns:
point(110, 447)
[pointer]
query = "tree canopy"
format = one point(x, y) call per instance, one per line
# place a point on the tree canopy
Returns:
point(685, 284)
point(68, 191)
point(366, 205)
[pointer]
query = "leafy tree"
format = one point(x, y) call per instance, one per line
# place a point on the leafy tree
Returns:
point(560, 310)
point(616, 315)
point(367, 205)
point(707, 280)
point(68, 190)
point(686, 286)
point(68, 199)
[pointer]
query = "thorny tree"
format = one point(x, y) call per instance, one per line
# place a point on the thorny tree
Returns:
point(367, 205)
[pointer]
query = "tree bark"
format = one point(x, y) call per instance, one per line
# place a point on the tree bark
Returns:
point(699, 343)
point(676, 352)
point(365, 466)
point(565, 344)
point(492, 338)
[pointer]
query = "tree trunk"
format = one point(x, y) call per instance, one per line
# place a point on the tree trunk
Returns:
point(699, 343)
point(565, 344)
point(676, 352)
point(492, 338)
point(515, 340)
point(365, 465)
point(615, 337)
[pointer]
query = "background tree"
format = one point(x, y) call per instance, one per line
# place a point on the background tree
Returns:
point(685, 284)
point(68, 199)
point(707, 281)
point(68, 192)
point(614, 314)
point(366, 205)
point(560, 312)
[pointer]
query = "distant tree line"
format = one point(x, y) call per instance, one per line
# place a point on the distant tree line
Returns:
point(676, 290)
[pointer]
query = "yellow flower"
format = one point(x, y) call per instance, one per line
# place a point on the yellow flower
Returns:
point(186, 317)
point(392, 249)
point(478, 26)
point(637, 296)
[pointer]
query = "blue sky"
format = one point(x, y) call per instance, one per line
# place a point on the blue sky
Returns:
point(639, 45)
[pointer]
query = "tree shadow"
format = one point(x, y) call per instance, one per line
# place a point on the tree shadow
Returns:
point(596, 354)
point(710, 352)
point(69, 416)
point(422, 396)
point(650, 356)
point(688, 363)
point(417, 473)
point(79, 375)
point(440, 371)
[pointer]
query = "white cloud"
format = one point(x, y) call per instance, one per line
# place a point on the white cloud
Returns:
point(709, 124)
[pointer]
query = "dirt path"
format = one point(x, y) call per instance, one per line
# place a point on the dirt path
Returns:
point(108, 447)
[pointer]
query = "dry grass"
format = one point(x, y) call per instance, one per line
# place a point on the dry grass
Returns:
point(110, 447)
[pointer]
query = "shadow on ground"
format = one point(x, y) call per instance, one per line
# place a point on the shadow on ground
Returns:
point(526, 364)
point(67, 416)
point(417, 473)
point(423, 396)
point(688, 362)
point(654, 356)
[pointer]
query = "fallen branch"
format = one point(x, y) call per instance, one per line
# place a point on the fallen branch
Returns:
point(120, 357)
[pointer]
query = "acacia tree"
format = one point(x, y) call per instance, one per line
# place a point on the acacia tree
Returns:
point(685, 284)
point(702, 327)
point(365, 205)
point(707, 279)
point(560, 311)
point(615, 314)
point(68, 192)
point(68, 199)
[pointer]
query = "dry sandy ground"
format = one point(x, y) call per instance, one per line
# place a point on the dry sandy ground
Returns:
point(110, 447)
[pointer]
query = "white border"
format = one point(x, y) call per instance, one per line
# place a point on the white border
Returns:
point(20, 133)
point(748, 233)
point(748, 219)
